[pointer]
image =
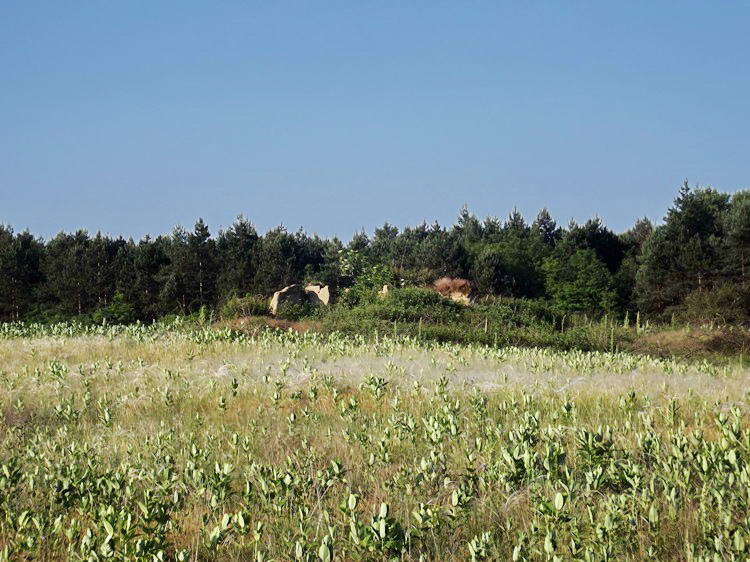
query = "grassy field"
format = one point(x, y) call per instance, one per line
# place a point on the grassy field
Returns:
point(159, 443)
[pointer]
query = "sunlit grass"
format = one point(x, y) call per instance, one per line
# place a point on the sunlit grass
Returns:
point(176, 442)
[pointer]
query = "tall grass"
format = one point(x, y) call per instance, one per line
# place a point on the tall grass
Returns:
point(189, 443)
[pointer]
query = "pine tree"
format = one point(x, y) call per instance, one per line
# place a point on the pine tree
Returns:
point(28, 252)
point(545, 227)
point(147, 267)
point(236, 253)
point(738, 236)
point(516, 224)
point(201, 267)
point(70, 273)
point(594, 235)
point(277, 261)
point(685, 254)
point(8, 283)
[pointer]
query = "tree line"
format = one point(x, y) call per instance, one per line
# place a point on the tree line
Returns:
point(695, 264)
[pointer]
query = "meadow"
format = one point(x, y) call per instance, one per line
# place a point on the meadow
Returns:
point(180, 442)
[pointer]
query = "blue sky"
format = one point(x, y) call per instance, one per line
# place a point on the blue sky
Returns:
point(131, 117)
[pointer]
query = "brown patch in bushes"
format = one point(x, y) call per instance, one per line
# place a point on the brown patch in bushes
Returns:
point(447, 285)
point(454, 288)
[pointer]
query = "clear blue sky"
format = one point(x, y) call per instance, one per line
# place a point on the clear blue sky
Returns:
point(133, 116)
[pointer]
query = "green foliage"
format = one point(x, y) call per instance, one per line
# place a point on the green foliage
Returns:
point(579, 283)
point(293, 311)
point(117, 312)
point(364, 278)
point(493, 321)
point(515, 311)
point(237, 251)
point(20, 272)
point(411, 305)
point(703, 247)
point(594, 236)
point(511, 267)
point(687, 252)
point(738, 235)
point(724, 304)
point(249, 305)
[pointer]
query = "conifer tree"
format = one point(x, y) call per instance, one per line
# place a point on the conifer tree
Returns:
point(235, 248)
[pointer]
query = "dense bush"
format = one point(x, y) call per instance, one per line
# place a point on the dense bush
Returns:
point(412, 305)
point(516, 312)
point(725, 304)
point(118, 312)
point(580, 283)
point(363, 277)
point(492, 321)
point(291, 311)
point(248, 305)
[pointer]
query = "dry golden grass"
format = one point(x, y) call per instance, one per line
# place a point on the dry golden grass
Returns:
point(693, 342)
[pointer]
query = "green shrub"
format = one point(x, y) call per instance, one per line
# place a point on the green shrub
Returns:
point(412, 305)
point(290, 311)
point(45, 314)
point(421, 277)
point(725, 304)
point(516, 311)
point(366, 278)
point(249, 305)
point(579, 283)
point(117, 312)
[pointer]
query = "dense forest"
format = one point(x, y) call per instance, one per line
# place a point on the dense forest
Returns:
point(693, 265)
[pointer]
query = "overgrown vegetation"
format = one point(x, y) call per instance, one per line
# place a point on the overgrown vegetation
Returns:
point(692, 268)
point(496, 321)
point(190, 443)
point(245, 306)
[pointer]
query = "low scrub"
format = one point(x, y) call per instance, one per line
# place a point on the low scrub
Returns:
point(292, 311)
point(425, 314)
point(249, 305)
point(411, 305)
point(725, 304)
